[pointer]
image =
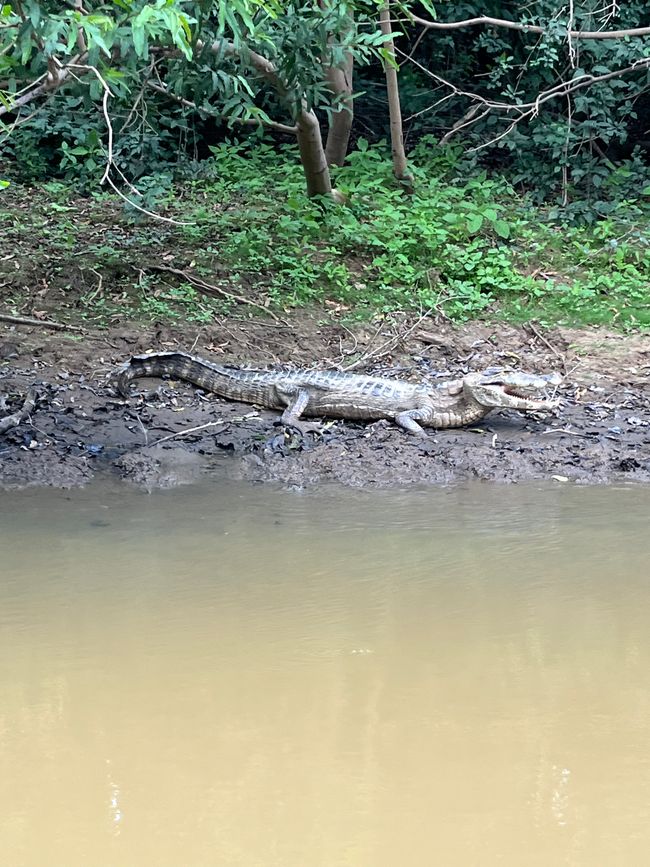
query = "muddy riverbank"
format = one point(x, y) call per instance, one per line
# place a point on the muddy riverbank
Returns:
point(81, 428)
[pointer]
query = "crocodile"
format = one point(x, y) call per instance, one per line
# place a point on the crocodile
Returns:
point(336, 394)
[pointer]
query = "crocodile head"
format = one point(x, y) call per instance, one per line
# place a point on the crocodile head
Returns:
point(512, 389)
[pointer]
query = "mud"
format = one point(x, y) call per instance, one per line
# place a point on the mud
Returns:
point(81, 428)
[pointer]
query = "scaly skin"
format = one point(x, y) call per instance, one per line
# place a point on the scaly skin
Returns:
point(335, 394)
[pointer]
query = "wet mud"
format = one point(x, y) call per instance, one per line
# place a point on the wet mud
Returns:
point(169, 433)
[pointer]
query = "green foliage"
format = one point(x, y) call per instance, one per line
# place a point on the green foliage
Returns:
point(569, 149)
point(64, 142)
point(464, 243)
point(243, 62)
point(114, 59)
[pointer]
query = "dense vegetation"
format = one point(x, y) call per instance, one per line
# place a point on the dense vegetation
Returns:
point(527, 190)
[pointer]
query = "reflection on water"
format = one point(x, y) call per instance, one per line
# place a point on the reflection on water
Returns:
point(231, 675)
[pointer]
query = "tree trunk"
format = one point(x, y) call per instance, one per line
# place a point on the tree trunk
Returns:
point(310, 140)
point(312, 156)
point(400, 164)
point(338, 136)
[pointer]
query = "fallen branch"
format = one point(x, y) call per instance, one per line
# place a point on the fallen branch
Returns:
point(16, 418)
point(210, 289)
point(189, 430)
point(564, 430)
point(43, 323)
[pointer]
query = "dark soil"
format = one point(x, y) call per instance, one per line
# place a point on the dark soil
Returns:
point(81, 427)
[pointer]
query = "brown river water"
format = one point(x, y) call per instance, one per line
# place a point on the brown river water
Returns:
point(236, 676)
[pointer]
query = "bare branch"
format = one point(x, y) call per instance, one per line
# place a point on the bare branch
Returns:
point(81, 39)
point(187, 431)
point(211, 289)
point(110, 162)
point(142, 210)
point(38, 323)
point(46, 83)
point(524, 110)
point(487, 21)
point(470, 117)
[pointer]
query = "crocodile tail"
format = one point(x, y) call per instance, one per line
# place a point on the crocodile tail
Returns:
point(178, 365)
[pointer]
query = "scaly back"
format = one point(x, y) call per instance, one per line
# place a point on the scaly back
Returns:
point(253, 385)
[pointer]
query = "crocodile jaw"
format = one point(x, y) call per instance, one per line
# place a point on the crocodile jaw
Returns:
point(512, 390)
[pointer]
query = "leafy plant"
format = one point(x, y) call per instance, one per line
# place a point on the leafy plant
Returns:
point(248, 227)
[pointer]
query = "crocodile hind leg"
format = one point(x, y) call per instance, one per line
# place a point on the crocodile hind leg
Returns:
point(409, 419)
point(297, 402)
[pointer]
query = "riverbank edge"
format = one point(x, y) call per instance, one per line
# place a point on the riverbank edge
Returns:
point(169, 434)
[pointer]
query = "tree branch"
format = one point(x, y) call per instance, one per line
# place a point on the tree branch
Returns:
point(260, 63)
point(49, 83)
point(487, 21)
point(526, 110)
point(558, 90)
point(272, 124)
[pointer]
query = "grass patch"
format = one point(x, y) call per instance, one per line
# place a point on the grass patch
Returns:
point(466, 246)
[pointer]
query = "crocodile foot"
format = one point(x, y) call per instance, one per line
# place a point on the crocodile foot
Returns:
point(300, 426)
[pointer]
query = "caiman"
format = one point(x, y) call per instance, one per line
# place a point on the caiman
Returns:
point(336, 394)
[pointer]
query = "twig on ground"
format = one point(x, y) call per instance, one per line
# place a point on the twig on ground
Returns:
point(189, 430)
point(370, 343)
point(16, 418)
point(571, 433)
point(145, 432)
point(210, 289)
point(280, 324)
point(42, 323)
point(536, 333)
point(387, 346)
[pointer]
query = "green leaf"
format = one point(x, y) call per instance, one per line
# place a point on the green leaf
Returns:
point(646, 191)
point(502, 228)
point(429, 8)
point(34, 12)
point(388, 57)
point(474, 223)
point(186, 27)
point(139, 40)
point(95, 37)
point(72, 37)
